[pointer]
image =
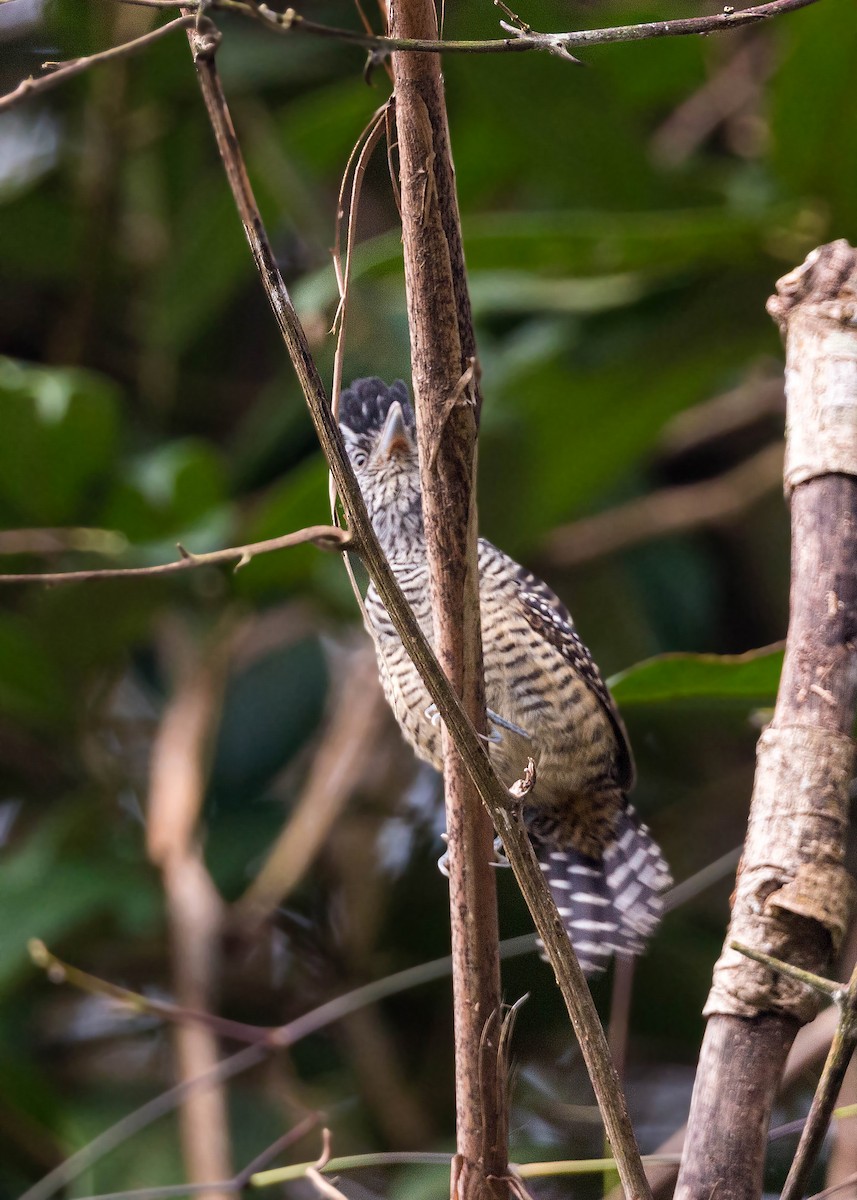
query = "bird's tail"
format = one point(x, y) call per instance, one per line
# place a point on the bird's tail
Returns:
point(608, 906)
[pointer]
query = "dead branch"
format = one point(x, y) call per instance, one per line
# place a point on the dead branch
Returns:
point(326, 537)
point(559, 44)
point(447, 402)
point(793, 894)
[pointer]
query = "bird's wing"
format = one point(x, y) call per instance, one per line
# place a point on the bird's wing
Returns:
point(551, 620)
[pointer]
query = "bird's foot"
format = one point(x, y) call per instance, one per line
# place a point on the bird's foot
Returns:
point(495, 736)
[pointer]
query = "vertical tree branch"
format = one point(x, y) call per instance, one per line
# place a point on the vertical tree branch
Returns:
point(793, 895)
point(194, 907)
point(446, 389)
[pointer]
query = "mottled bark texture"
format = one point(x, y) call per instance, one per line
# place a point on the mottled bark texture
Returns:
point(793, 897)
point(446, 390)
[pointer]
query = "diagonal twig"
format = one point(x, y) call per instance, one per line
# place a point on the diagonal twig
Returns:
point(824, 1101)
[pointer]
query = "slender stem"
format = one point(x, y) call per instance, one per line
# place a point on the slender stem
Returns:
point(329, 537)
point(824, 1101)
point(553, 43)
point(353, 1162)
point(827, 987)
point(558, 44)
point(446, 390)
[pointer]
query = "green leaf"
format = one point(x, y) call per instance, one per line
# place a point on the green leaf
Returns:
point(751, 678)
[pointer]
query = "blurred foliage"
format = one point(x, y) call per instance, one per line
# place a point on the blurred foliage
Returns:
point(624, 224)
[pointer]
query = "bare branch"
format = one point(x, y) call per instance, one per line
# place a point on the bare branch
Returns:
point(558, 44)
point(793, 894)
point(447, 402)
point(842, 1162)
point(326, 537)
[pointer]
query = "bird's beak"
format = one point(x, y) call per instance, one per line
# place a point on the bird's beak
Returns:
point(395, 438)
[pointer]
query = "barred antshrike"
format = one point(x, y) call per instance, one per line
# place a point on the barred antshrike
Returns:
point(545, 697)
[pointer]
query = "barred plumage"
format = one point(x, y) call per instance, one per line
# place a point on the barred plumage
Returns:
point(545, 697)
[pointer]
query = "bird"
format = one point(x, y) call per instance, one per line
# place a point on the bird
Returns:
point(545, 697)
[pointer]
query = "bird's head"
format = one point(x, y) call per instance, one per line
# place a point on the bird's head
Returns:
point(379, 429)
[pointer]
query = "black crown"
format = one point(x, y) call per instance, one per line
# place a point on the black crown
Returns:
point(363, 406)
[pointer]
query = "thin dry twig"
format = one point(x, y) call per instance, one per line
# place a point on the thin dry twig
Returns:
point(362, 151)
point(558, 44)
point(850, 1181)
point(824, 1101)
point(326, 537)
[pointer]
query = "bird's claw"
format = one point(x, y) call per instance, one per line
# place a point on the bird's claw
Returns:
point(500, 860)
point(496, 719)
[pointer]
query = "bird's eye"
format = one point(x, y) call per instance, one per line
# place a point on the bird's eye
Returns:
point(360, 459)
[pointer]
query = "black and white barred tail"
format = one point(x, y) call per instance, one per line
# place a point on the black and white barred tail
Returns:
point(613, 905)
